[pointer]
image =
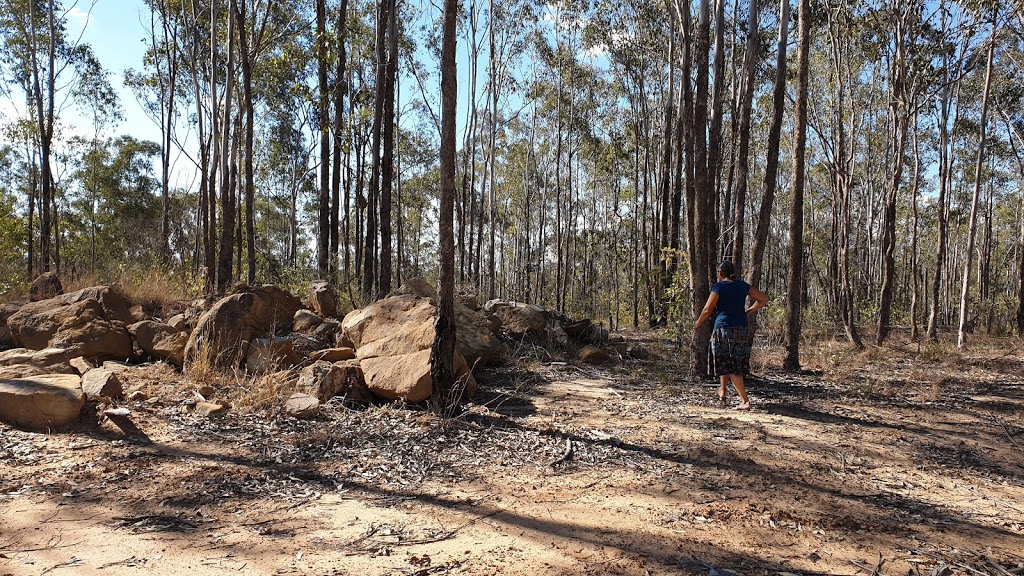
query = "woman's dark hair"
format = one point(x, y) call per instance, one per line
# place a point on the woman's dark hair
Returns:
point(727, 269)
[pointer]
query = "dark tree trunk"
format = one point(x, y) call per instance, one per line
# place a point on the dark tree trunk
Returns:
point(323, 122)
point(742, 154)
point(442, 353)
point(388, 156)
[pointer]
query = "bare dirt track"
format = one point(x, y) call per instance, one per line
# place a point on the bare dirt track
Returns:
point(892, 461)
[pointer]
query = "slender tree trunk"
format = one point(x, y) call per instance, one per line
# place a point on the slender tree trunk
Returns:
point(247, 57)
point(771, 170)
point(443, 351)
point(227, 215)
point(388, 157)
point(796, 215)
point(914, 332)
point(961, 341)
point(373, 194)
point(703, 202)
point(323, 124)
point(743, 153)
point(339, 139)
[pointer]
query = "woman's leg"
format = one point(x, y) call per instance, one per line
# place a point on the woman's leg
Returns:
point(723, 390)
point(737, 382)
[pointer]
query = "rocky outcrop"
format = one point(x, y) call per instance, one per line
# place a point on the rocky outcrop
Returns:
point(223, 331)
point(590, 354)
point(41, 402)
point(91, 322)
point(6, 338)
point(323, 299)
point(47, 285)
point(161, 341)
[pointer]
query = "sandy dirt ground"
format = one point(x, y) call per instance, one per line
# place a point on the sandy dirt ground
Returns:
point(887, 462)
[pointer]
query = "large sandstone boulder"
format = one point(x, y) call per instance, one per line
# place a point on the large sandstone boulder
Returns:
point(41, 402)
point(407, 376)
point(404, 324)
point(46, 361)
point(161, 341)
point(221, 333)
point(323, 299)
point(47, 285)
point(92, 322)
point(326, 380)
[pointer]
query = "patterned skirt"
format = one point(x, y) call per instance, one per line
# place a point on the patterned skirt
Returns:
point(730, 350)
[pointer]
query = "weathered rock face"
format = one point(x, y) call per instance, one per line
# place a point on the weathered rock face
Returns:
point(405, 324)
point(323, 299)
point(407, 376)
point(81, 365)
point(266, 355)
point(47, 360)
point(90, 322)
point(302, 406)
point(326, 380)
point(41, 402)
point(177, 322)
point(518, 320)
point(100, 382)
point(47, 285)
point(304, 321)
point(237, 319)
point(161, 341)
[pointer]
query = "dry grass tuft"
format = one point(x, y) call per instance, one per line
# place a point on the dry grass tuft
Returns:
point(155, 290)
point(263, 392)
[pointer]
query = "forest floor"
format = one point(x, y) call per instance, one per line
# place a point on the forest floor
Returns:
point(890, 461)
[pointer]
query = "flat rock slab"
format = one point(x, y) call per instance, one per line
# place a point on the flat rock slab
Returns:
point(41, 402)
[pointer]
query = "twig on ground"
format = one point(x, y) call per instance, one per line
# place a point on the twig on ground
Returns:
point(1007, 431)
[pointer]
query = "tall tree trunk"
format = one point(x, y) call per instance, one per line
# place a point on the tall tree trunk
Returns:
point(339, 110)
point(227, 214)
point(388, 158)
point(442, 353)
point(771, 170)
point(961, 340)
point(247, 56)
point(373, 194)
point(715, 136)
point(796, 214)
point(492, 135)
point(665, 185)
point(700, 249)
point(743, 153)
point(915, 288)
point(323, 237)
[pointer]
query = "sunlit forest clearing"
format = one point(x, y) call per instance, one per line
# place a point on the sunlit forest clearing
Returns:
point(476, 288)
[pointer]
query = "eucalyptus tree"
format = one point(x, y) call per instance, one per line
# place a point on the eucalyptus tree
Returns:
point(39, 56)
point(795, 278)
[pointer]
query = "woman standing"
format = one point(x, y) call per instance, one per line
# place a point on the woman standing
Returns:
point(730, 337)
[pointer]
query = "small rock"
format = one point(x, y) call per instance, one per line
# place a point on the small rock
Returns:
point(593, 355)
point(206, 391)
point(117, 412)
point(305, 320)
point(302, 406)
point(100, 382)
point(323, 299)
point(638, 352)
point(270, 355)
point(207, 409)
point(138, 396)
point(177, 322)
point(81, 365)
point(45, 286)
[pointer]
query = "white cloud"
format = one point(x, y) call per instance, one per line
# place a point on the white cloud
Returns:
point(80, 19)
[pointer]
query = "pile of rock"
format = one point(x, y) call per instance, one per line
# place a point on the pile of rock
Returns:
point(379, 352)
